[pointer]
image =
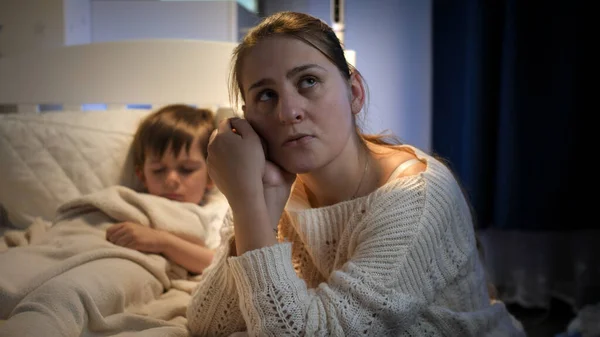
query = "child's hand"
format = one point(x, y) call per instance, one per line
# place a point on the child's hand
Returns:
point(135, 236)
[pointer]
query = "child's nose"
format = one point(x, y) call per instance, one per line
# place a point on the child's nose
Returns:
point(172, 179)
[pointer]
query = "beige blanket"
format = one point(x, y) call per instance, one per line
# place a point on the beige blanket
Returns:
point(65, 279)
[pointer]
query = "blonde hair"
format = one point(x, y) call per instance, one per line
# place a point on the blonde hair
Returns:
point(175, 125)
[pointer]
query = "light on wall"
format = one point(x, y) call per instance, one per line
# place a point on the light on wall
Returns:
point(251, 5)
point(339, 27)
point(338, 19)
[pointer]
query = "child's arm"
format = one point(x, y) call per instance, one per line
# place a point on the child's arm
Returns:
point(190, 255)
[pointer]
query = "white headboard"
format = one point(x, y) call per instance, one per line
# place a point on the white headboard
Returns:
point(114, 75)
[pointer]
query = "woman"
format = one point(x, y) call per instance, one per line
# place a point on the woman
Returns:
point(375, 239)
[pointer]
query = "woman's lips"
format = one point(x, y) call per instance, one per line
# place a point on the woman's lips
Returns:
point(298, 141)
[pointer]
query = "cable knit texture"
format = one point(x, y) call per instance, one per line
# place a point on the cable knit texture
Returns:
point(399, 261)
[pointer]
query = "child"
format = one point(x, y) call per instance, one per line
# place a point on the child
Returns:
point(170, 148)
point(74, 281)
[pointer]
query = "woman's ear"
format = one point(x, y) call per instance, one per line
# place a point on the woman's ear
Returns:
point(357, 92)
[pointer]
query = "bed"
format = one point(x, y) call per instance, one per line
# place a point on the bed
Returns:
point(67, 117)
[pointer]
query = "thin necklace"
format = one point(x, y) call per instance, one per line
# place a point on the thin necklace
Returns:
point(363, 175)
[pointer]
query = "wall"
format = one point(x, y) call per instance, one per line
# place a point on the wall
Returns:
point(30, 25)
point(392, 40)
point(272, 6)
point(77, 22)
point(125, 20)
point(245, 21)
point(393, 51)
point(34, 25)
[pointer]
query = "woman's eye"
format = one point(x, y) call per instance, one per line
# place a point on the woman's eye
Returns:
point(308, 82)
point(158, 170)
point(265, 95)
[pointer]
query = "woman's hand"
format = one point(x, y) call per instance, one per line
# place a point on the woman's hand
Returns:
point(277, 184)
point(135, 236)
point(237, 164)
point(256, 189)
point(236, 161)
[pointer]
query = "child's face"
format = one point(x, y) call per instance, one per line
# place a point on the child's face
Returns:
point(183, 177)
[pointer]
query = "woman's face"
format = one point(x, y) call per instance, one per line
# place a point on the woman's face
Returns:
point(298, 102)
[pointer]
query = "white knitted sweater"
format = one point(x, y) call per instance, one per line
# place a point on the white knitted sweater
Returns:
point(399, 261)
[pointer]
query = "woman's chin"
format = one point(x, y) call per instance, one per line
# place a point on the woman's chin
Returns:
point(300, 171)
point(298, 167)
point(296, 163)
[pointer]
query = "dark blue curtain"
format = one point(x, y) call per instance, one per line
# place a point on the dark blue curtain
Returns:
point(506, 112)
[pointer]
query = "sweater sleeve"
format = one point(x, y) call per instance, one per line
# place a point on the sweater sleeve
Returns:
point(389, 286)
point(214, 307)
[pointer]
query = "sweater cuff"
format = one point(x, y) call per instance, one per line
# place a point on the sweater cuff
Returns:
point(264, 268)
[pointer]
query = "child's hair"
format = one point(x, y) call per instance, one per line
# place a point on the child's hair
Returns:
point(175, 125)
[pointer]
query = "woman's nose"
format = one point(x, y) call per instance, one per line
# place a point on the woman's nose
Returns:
point(291, 109)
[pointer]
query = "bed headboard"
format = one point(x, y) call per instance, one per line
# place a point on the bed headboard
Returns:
point(117, 75)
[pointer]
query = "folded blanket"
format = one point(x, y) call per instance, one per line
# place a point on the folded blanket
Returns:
point(123, 204)
point(34, 233)
point(66, 279)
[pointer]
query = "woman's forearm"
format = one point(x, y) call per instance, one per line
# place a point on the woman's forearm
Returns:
point(252, 226)
point(275, 199)
point(193, 257)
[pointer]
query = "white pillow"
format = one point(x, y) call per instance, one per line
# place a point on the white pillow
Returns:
point(48, 159)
